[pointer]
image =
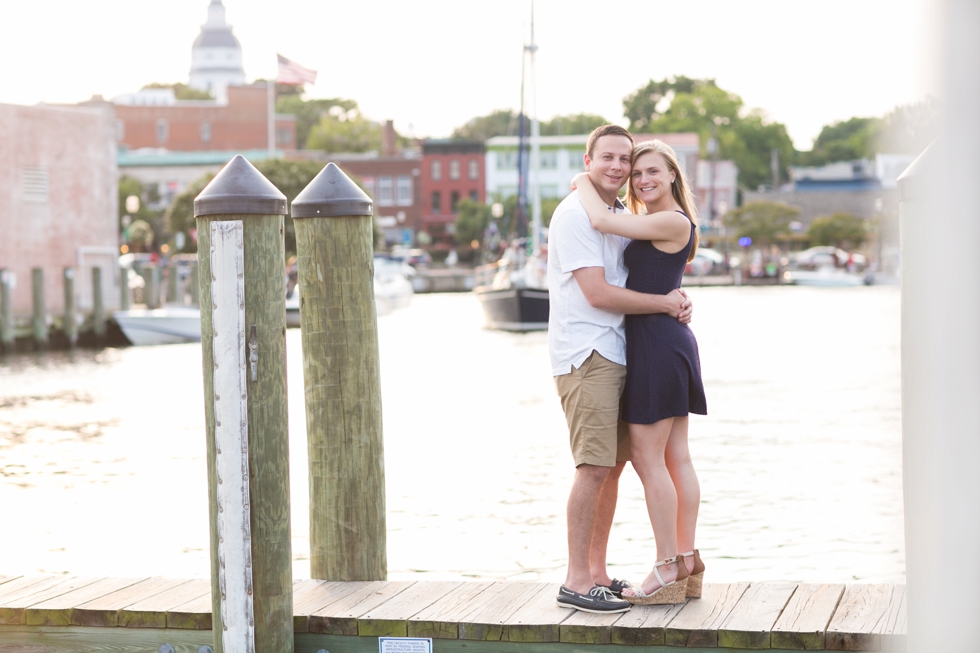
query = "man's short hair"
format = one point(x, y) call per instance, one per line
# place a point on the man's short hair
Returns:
point(605, 130)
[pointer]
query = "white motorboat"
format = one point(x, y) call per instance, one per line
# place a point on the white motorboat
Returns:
point(827, 277)
point(392, 290)
point(160, 326)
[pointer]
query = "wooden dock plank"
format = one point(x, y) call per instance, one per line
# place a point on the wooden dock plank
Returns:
point(893, 633)
point(441, 619)
point(151, 612)
point(589, 628)
point(858, 620)
point(310, 596)
point(538, 620)
point(750, 622)
point(7, 579)
point(340, 617)
point(19, 585)
point(14, 604)
point(104, 611)
point(192, 615)
point(56, 610)
point(390, 619)
point(697, 624)
point(486, 621)
point(644, 625)
point(803, 624)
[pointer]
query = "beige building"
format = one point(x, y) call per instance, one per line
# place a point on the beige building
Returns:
point(58, 202)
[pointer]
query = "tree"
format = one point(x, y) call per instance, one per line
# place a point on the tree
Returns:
point(309, 112)
point(473, 218)
point(845, 140)
point(576, 123)
point(682, 104)
point(135, 228)
point(344, 131)
point(183, 91)
point(840, 230)
point(290, 177)
point(504, 122)
point(501, 122)
point(763, 222)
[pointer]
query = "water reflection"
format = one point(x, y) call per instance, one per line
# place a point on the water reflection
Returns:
point(102, 466)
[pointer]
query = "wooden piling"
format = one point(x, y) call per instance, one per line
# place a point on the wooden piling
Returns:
point(70, 325)
point(98, 305)
point(195, 285)
point(40, 321)
point(173, 283)
point(341, 374)
point(125, 294)
point(151, 289)
point(6, 311)
point(240, 193)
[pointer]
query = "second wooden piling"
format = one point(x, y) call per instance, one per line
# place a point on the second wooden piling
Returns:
point(342, 379)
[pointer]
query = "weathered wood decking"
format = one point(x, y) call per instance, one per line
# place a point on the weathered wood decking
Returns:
point(59, 613)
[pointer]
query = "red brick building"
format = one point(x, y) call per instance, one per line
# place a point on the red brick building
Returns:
point(393, 180)
point(451, 171)
point(203, 125)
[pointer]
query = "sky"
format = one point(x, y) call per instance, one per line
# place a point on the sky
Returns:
point(431, 65)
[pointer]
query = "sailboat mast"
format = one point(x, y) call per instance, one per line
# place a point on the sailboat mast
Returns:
point(535, 162)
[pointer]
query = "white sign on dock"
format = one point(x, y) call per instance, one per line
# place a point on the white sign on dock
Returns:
point(405, 644)
point(231, 436)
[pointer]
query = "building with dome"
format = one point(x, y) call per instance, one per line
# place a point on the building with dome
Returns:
point(216, 57)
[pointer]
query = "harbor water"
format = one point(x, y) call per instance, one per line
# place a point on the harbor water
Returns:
point(102, 453)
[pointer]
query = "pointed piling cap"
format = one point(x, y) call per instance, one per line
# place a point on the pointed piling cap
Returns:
point(331, 194)
point(912, 182)
point(239, 188)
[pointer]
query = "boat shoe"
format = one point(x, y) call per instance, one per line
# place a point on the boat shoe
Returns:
point(599, 600)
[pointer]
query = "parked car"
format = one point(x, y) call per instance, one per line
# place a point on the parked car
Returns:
point(827, 256)
point(706, 261)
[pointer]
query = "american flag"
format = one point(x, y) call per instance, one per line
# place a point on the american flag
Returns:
point(291, 72)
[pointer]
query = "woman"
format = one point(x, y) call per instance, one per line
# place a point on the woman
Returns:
point(663, 370)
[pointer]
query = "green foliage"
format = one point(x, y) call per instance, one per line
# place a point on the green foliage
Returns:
point(846, 140)
point(472, 218)
point(577, 123)
point(501, 122)
point(154, 221)
point(682, 104)
point(180, 213)
point(504, 122)
point(646, 104)
point(290, 177)
point(344, 131)
point(763, 222)
point(183, 91)
point(841, 230)
point(309, 112)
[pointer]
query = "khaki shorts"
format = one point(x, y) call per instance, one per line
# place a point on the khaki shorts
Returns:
point(590, 398)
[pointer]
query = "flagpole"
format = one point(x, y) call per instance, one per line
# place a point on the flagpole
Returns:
point(271, 86)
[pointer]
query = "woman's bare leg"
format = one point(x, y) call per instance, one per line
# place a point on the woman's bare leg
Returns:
point(647, 446)
point(678, 460)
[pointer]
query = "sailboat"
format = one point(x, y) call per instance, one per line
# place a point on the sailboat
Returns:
point(516, 299)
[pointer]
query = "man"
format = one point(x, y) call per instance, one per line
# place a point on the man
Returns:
point(587, 342)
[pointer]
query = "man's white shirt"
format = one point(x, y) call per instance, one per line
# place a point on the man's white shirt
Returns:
point(575, 327)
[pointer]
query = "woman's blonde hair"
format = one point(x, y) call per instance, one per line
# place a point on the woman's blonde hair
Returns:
point(680, 189)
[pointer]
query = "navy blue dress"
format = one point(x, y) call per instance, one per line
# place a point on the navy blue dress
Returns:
point(663, 369)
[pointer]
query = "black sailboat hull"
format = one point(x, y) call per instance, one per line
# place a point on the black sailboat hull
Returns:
point(513, 309)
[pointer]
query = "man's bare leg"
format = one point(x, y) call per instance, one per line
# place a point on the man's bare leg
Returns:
point(583, 502)
point(605, 510)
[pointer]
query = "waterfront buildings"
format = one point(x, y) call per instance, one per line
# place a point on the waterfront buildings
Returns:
point(451, 171)
point(58, 181)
